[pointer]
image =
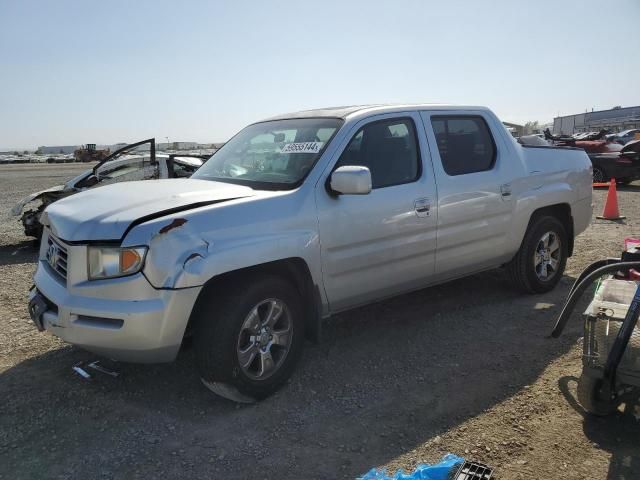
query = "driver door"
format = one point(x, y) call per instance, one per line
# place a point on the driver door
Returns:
point(382, 243)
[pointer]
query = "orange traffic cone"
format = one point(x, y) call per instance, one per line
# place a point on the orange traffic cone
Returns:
point(611, 211)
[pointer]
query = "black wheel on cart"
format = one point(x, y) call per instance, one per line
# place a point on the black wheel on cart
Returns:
point(590, 397)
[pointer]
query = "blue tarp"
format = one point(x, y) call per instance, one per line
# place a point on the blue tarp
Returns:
point(439, 471)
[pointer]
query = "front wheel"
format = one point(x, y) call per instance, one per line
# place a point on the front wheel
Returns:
point(249, 337)
point(539, 264)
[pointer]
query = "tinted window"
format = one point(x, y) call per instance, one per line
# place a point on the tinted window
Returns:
point(465, 144)
point(388, 149)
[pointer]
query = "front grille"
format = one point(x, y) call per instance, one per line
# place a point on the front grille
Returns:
point(57, 256)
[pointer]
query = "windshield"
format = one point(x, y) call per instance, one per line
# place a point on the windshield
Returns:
point(271, 155)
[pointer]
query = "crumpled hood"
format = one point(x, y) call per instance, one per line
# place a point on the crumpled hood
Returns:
point(18, 207)
point(105, 213)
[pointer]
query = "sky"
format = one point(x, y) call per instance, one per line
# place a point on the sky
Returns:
point(89, 71)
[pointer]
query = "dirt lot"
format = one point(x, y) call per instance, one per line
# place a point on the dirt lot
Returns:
point(464, 367)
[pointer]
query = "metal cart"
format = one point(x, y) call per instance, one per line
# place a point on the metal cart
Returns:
point(611, 351)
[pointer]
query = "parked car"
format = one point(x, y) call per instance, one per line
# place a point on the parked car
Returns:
point(626, 136)
point(584, 135)
point(137, 161)
point(609, 159)
point(623, 164)
point(294, 219)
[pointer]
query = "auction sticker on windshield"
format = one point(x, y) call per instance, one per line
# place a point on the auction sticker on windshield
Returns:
point(302, 147)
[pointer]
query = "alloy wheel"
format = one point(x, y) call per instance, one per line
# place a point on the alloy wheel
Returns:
point(547, 256)
point(265, 339)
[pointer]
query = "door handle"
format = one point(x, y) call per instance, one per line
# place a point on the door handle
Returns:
point(422, 207)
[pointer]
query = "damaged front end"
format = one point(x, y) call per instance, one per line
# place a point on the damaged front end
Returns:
point(31, 218)
point(136, 161)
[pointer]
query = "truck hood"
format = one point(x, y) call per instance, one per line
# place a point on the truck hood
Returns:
point(105, 213)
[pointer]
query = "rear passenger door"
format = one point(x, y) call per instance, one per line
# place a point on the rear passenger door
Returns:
point(382, 243)
point(473, 176)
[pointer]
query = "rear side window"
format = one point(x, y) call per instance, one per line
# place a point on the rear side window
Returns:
point(388, 148)
point(465, 144)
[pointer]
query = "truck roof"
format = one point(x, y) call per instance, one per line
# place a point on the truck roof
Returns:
point(346, 111)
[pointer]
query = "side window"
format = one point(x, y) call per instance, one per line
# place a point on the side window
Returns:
point(465, 144)
point(388, 149)
point(137, 168)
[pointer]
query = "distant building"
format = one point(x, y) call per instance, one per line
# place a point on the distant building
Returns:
point(177, 146)
point(68, 149)
point(52, 150)
point(615, 120)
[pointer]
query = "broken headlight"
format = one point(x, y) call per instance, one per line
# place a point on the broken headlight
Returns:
point(111, 262)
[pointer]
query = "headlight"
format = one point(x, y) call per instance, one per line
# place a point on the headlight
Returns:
point(110, 262)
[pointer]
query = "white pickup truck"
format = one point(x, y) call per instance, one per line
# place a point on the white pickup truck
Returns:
point(296, 218)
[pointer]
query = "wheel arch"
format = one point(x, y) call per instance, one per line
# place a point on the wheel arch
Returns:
point(561, 211)
point(293, 269)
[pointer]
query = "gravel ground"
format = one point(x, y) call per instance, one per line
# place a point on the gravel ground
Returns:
point(391, 385)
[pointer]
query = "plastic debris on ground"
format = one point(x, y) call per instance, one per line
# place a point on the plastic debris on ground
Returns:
point(442, 470)
point(81, 371)
point(98, 366)
point(103, 366)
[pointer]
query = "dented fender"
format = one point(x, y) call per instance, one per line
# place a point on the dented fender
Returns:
point(173, 253)
point(182, 255)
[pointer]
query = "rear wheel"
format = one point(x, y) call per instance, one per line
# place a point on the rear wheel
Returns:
point(599, 175)
point(539, 264)
point(249, 338)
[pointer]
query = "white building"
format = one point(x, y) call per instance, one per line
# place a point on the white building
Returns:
point(615, 120)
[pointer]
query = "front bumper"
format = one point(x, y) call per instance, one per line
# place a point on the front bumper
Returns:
point(146, 327)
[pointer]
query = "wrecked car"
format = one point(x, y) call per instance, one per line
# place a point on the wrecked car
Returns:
point(622, 164)
point(609, 159)
point(294, 219)
point(625, 136)
point(137, 161)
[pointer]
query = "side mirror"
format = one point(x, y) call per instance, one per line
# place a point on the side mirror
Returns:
point(351, 180)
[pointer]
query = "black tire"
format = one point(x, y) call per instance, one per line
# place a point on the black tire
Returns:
point(623, 181)
point(522, 270)
point(220, 316)
point(599, 175)
point(588, 396)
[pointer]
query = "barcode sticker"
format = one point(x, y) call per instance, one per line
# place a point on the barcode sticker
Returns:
point(302, 147)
